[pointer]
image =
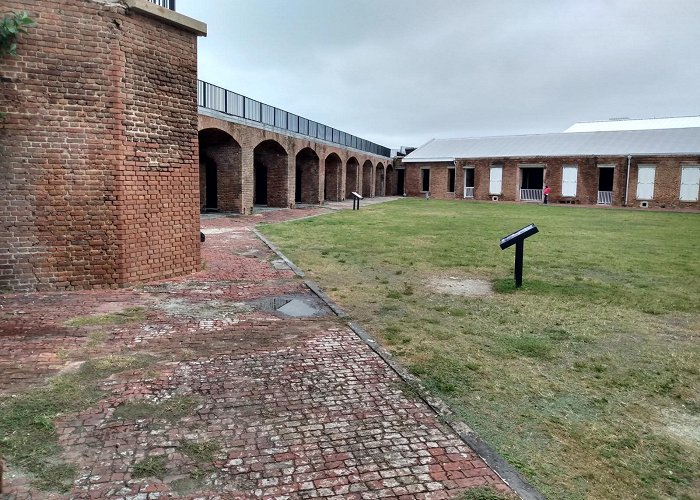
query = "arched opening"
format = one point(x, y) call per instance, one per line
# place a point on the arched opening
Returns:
point(379, 180)
point(367, 179)
point(220, 164)
point(390, 181)
point(332, 183)
point(307, 185)
point(352, 175)
point(270, 175)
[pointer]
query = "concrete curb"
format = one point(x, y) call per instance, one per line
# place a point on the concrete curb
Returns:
point(497, 463)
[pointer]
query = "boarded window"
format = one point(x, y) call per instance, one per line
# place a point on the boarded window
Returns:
point(495, 178)
point(690, 182)
point(568, 181)
point(425, 179)
point(645, 182)
point(450, 180)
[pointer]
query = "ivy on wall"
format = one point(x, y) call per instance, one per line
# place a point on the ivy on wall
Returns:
point(11, 26)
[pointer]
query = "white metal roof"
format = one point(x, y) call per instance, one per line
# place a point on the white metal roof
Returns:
point(635, 124)
point(672, 141)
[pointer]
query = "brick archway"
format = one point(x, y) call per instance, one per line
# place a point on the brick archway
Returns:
point(379, 180)
point(352, 176)
point(332, 182)
point(367, 169)
point(390, 181)
point(270, 174)
point(307, 188)
point(220, 169)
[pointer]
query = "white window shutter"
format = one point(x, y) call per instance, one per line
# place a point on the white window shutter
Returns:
point(568, 181)
point(645, 182)
point(495, 179)
point(690, 183)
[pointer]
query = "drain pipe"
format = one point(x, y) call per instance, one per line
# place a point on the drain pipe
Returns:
point(627, 185)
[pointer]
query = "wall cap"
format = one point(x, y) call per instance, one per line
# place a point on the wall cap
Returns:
point(168, 16)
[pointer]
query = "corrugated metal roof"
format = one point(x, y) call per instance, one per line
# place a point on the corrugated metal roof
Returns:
point(636, 124)
point(678, 141)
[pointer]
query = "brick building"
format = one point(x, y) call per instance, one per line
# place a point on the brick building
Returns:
point(98, 149)
point(648, 168)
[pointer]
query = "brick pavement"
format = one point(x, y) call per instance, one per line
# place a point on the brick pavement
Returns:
point(291, 407)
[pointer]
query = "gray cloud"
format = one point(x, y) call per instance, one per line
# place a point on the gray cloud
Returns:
point(400, 72)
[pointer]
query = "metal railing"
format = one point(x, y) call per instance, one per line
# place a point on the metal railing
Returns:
point(604, 197)
point(231, 103)
point(530, 195)
point(168, 4)
point(469, 192)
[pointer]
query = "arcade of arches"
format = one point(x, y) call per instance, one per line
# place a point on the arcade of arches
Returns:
point(241, 166)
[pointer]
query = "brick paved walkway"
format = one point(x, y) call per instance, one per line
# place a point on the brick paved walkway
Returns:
point(273, 406)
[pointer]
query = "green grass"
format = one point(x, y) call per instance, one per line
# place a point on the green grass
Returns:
point(154, 466)
point(172, 409)
point(129, 315)
point(28, 438)
point(587, 379)
point(202, 453)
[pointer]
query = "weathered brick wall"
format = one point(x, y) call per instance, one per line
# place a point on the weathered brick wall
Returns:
point(284, 183)
point(666, 186)
point(98, 171)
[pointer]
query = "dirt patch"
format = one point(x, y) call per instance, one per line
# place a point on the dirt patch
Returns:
point(684, 427)
point(465, 287)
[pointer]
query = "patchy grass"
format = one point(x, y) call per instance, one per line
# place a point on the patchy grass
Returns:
point(585, 378)
point(171, 409)
point(154, 466)
point(128, 315)
point(28, 438)
point(202, 453)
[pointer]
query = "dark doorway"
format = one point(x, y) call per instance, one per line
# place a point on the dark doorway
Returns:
point(605, 179)
point(297, 186)
point(531, 178)
point(260, 181)
point(400, 179)
point(425, 179)
point(212, 202)
point(451, 174)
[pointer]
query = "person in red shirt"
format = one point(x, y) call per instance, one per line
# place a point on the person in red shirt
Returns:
point(546, 192)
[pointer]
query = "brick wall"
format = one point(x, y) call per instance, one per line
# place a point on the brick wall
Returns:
point(666, 186)
point(338, 181)
point(99, 171)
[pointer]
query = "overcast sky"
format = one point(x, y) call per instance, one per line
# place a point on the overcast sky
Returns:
point(400, 72)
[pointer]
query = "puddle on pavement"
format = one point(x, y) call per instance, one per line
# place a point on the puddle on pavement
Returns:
point(293, 306)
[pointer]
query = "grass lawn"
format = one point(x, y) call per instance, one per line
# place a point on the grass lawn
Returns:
point(587, 379)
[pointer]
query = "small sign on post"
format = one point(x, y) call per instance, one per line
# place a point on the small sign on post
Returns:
point(356, 197)
point(518, 239)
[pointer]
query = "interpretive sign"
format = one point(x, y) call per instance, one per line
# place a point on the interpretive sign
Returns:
point(518, 239)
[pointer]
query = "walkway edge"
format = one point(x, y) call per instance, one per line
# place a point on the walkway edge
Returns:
point(494, 460)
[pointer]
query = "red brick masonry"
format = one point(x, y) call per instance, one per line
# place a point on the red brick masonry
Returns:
point(299, 408)
point(98, 151)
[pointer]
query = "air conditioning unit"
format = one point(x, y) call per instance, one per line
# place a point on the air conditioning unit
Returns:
point(644, 204)
point(494, 198)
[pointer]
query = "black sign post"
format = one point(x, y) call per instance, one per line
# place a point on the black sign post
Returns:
point(518, 239)
point(356, 197)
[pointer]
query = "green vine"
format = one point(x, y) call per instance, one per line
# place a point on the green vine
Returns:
point(11, 26)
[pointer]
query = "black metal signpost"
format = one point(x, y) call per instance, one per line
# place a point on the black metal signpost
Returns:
point(356, 197)
point(518, 239)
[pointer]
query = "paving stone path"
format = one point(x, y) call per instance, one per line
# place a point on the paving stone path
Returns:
point(260, 404)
